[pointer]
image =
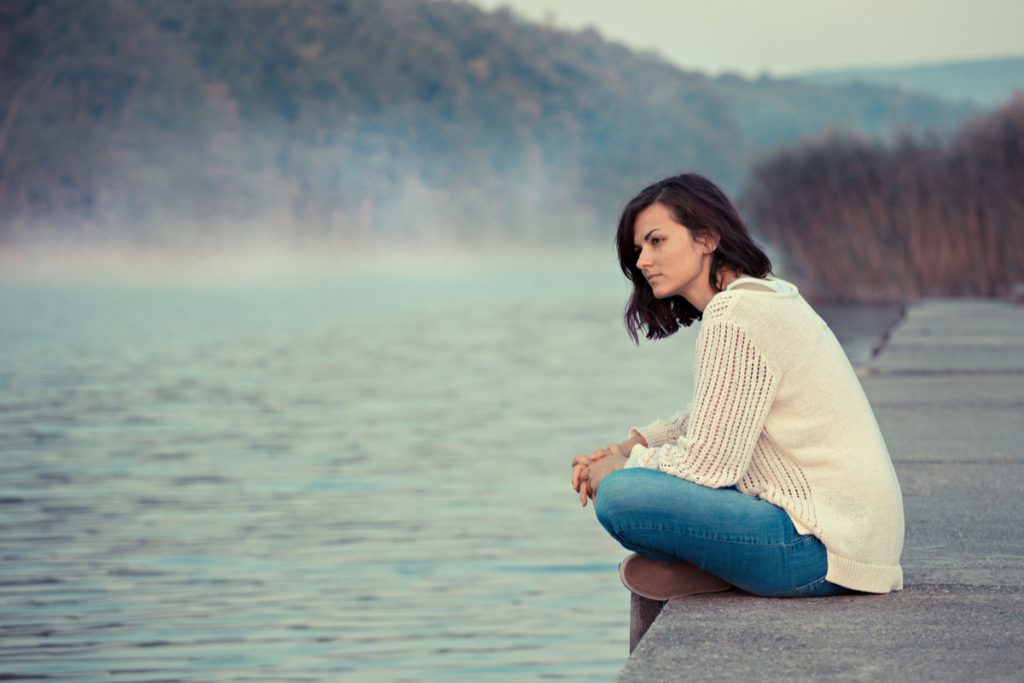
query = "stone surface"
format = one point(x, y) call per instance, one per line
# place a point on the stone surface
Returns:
point(953, 433)
point(947, 632)
point(962, 523)
point(947, 386)
point(955, 391)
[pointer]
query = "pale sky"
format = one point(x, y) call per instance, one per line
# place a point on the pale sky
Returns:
point(788, 36)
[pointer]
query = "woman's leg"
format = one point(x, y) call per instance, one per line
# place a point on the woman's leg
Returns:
point(744, 540)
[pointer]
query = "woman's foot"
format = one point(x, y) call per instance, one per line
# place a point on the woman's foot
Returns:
point(657, 580)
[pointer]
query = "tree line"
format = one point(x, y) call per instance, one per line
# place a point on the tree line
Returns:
point(863, 221)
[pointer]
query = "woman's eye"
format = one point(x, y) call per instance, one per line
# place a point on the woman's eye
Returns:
point(656, 241)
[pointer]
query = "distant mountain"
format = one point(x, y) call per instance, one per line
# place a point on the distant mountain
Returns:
point(772, 112)
point(986, 82)
point(155, 121)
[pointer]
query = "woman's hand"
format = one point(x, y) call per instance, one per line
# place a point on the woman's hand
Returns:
point(587, 471)
point(581, 465)
point(581, 462)
point(599, 470)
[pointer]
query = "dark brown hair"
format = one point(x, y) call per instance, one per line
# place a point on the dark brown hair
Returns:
point(700, 206)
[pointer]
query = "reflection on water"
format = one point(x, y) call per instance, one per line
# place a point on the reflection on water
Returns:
point(303, 478)
point(355, 475)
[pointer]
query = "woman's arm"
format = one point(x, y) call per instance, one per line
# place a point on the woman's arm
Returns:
point(735, 388)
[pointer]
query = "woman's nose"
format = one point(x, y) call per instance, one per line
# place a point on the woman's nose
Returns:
point(643, 260)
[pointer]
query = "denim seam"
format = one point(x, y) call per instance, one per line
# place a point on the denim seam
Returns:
point(802, 540)
point(808, 586)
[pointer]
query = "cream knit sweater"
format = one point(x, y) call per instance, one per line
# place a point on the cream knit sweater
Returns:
point(778, 411)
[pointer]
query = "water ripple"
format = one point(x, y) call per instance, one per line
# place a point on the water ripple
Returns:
point(197, 487)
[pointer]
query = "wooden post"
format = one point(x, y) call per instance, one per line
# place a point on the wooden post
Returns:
point(642, 613)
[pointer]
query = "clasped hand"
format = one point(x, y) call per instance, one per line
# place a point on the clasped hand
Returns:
point(589, 470)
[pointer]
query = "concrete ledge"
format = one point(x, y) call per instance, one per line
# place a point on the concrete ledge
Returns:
point(926, 632)
point(948, 389)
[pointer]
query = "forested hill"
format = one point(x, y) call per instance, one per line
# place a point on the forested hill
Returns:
point(153, 121)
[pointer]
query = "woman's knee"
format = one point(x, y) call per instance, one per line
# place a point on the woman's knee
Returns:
point(613, 497)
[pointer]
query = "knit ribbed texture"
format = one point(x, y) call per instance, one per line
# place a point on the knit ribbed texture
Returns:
point(778, 411)
point(663, 431)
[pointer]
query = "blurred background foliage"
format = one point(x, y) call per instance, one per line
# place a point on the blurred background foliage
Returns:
point(924, 216)
point(156, 120)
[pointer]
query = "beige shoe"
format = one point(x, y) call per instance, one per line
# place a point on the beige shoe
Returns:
point(657, 580)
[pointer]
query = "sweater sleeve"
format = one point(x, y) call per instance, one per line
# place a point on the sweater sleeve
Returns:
point(663, 431)
point(734, 389)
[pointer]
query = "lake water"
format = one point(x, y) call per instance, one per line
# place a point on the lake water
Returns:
point(356, 472)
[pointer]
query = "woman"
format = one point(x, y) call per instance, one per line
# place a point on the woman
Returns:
point(777, 479)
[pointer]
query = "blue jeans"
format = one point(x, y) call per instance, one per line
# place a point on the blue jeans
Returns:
point(739, 538)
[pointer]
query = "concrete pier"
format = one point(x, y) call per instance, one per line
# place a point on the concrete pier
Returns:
point(947, 386)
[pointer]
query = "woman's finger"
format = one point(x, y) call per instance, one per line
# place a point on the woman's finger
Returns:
point(582, 486)
point(581, 460)
point(577, 470)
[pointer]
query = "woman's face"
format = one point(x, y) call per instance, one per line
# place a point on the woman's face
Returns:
point(673, 262)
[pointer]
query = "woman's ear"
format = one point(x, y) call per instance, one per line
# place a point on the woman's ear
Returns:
point(708, 242)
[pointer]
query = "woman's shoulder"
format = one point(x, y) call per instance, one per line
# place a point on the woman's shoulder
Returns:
point(745, 295)
point(769, 310)
point(766, 285)
point(785, 328)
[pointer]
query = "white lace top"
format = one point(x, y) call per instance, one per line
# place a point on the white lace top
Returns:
point(778, 411)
